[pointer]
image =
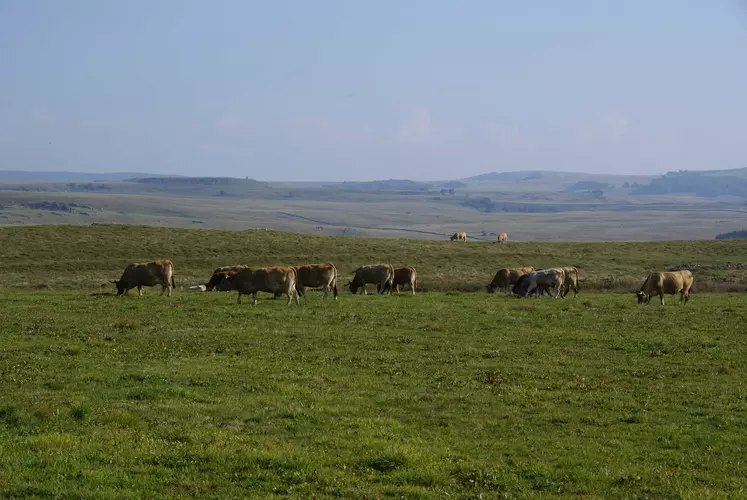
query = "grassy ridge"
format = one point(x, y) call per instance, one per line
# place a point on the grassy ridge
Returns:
point(89, 256)
point(371, 397)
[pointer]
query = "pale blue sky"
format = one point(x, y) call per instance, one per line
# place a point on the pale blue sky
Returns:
point(353, 90)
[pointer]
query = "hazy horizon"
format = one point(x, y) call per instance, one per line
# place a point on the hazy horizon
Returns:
point(336, 91)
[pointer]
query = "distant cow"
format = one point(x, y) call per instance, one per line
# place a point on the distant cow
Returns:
point(502, 238)
point(459, 236)
point(322, 276)
point(265, 279)
point(381, 274)
point(160, 272)
point(536, 280)
point(659, 283)
point(507, 277)
point(218, 281)
point(405, 276)
point(571, 281)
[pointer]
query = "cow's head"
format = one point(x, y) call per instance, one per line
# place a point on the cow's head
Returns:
point(491, 288)
point(643, 298)
point(353, 286)
point(121, 286)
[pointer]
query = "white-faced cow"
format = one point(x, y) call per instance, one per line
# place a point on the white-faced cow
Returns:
point(459, 236)
point(380, 274)
point(671, 282)
point(159, 272)
point(507, 277)
point(533, 282)
point(265, 279)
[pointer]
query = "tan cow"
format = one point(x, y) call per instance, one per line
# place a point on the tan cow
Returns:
point(459, 236)
point(159, 272)
point(571, 281)
point(405, 276)
point(507, 277)
point(502, 238)
point(534, 281)
point(381, 274)
point(322, 276)
point(659, 283)
point(265, 279)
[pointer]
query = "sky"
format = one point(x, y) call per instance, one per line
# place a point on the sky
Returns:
point(347, 90)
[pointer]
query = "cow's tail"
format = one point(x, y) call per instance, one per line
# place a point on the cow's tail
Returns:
point(334, 280)
point(173, 283)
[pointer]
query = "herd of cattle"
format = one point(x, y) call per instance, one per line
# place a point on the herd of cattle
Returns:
point(293, 281)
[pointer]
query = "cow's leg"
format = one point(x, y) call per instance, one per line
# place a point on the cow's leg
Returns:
point(139, 291)
point(254, 296)
point(412, 287)
point(326, 291)
point(238, 301)
point(297, 302)
point(661, 296)
point(290, 296)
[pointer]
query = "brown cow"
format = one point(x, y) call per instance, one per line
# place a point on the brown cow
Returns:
point(405, 276)
point(659, 283)
point(507, 277)
point(160, 272)
point(459, 236)
point(316, 276)
point(381, 274)
point(502, 238)
point(570, 282)
point(265, 279)
point(218, 281)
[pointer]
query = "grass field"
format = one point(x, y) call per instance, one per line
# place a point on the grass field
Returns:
point(432, 396)
point(88, 257)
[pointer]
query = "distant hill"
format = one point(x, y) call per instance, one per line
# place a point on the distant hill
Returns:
point(388, 185)
point(25, 176)
point(507, 176)
point(708, 183)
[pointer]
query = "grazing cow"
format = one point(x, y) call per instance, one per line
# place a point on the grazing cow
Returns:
point(459, 236)
point(536, 280)
point(507, 277)
point(381, 274)
point(316, 276)
point(265, 279)
point(571, 281)
point(217, 280)
point(405, 276)
point(160, 272)
point(659, 283)
point(502, 238)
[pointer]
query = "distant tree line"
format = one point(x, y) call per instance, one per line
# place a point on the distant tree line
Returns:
point(696, 183)
point(733, 234)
